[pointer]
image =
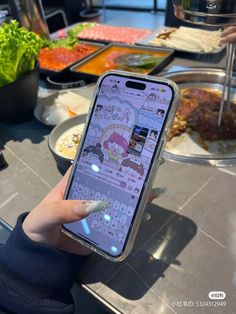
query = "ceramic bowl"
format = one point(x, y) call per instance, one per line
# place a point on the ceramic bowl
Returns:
point(63, 163)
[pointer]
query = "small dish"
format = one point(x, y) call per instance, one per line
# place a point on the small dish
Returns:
point(63, 163)
point(46, 103)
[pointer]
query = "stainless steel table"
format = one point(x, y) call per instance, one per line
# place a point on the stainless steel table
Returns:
point(183, 252)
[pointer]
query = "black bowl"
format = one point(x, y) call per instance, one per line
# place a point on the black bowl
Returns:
point(63, 163)
point(18, 99)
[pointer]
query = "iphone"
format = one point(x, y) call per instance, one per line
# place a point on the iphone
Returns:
point(118, 157)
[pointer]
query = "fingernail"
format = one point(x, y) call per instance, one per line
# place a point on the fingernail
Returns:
point(156, 192)
point(95, 206)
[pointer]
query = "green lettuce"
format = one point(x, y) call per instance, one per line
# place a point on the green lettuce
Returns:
point(65, 42)
point(19, 50)
point(70, 40)
point(73, 32)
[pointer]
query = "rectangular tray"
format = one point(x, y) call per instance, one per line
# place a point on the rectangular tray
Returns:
point(94, 77)
point(66, 69)
point(145, 42)
point(121, 30)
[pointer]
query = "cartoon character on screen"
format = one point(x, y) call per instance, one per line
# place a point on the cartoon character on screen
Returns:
point(115, 89)
point(160, 113)
point(132, 168)
point(116, 147)
point(98, 112)
point(126, 114)
point(152, 99)
point(94, 152)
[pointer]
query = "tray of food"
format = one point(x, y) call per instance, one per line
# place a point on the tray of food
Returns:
point(185, 39)
point(110, 34)
point(136, 59)
point(59, 54)
point(195, 136)
point(64, 49)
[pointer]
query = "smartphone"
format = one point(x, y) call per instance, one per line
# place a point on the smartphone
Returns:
point(118, 158)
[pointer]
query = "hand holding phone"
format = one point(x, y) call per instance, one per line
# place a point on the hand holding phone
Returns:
point(118, 157)
point(43, 223)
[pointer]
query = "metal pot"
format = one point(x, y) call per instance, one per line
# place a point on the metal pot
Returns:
point(207, 12)
point(31, 15)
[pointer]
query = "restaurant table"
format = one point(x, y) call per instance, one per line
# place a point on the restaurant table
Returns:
point(186, 245)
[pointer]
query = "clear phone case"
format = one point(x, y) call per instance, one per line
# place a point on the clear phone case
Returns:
point(152, 173)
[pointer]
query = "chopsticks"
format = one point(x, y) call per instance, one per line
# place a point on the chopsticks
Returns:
point(230, 54)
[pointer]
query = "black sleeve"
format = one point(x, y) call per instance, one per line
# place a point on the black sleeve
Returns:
point(35, 278)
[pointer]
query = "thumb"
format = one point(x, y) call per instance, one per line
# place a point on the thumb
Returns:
point(47, 216)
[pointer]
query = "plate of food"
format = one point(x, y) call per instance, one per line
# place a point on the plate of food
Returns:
point(59, 54)
point(135, 59)
point(195, 136)
point(64, 49)
point(110, 34)
point(58, 107)
point(185, 39)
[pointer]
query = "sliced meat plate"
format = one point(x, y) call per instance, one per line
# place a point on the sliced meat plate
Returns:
point(108, 34)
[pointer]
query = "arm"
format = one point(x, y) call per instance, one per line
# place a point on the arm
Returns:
point(35, 276)
point(38, 264)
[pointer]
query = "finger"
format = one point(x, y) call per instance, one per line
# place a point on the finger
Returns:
point(228, 39)
point(63, 182)
point(228, 30)
point(46, 217)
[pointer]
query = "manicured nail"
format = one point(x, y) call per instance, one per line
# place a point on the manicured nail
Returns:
point(95, 206)
point(156, 192)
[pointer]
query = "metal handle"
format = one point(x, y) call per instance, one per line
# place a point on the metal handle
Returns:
point(230, 54)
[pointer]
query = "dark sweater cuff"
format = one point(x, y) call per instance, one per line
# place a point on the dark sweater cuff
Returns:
point(36, 270)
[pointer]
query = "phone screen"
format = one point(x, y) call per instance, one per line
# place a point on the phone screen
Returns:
point(114, 161)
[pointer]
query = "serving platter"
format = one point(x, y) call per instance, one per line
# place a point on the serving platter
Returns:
point(146, 42)
point(189, 147)
point(60, 72)
point(106, 34)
